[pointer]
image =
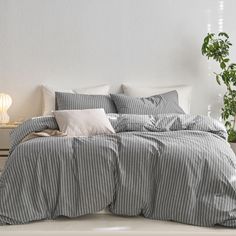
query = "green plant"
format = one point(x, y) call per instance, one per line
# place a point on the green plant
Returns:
point(217, 47)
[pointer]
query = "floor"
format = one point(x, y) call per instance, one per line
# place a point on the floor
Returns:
point(105, 224)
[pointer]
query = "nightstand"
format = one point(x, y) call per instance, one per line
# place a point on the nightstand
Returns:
point(5, 143)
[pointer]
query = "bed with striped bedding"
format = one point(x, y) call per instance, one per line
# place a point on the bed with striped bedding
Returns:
point(165, 167)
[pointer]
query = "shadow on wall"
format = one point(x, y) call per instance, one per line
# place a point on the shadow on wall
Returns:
point(191, 65)
point(187, 60)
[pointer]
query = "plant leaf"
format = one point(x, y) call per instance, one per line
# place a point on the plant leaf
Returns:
point(226, 60)
point(222, 65)
point(232, 135)
point(218, 79)
point(223, 34)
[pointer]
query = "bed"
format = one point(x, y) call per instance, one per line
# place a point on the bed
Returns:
point(164, 166)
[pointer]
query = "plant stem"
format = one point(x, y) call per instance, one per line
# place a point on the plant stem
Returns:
point(234, 122)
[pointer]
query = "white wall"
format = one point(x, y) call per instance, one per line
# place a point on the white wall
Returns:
point(76, 43)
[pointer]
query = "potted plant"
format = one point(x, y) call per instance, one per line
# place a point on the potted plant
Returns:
point(217, 47)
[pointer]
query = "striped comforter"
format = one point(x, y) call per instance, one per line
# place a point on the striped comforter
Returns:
point(167, 167)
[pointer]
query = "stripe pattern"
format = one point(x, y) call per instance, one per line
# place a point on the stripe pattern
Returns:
point(165, 167)
point(69, 101)
point(159, 104)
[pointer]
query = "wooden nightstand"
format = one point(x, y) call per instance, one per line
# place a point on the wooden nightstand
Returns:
point(5, 143)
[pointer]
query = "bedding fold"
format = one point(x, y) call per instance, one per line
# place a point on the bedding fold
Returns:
point(127, 123)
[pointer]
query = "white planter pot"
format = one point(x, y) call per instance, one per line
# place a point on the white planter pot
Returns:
point(233, 146)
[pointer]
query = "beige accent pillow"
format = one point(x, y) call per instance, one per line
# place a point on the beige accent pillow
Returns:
point(86, 122)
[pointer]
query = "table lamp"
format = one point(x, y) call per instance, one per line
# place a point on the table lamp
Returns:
point(5, 103)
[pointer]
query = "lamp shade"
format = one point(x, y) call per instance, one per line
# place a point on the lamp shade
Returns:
point(5, 103)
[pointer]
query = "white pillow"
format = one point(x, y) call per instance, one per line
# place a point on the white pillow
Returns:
point(49, 95)
point(184, 93)
point(86, 122)
point(98, 90)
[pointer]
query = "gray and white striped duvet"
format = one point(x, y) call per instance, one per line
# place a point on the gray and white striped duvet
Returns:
point(167, 167)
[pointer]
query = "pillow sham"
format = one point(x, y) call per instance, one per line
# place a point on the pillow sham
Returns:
point(69, 101)
point(49, 95)
point(184, 93)
point(88, 122)
point(97, 90)
point(154, 105)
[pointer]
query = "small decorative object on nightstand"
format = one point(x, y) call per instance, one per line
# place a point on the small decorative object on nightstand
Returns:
point(5, 142)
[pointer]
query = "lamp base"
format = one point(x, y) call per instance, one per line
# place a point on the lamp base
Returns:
point(4, 118)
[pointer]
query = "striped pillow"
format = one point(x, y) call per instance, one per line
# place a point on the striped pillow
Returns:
point(69, 101)
point(154, 105)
